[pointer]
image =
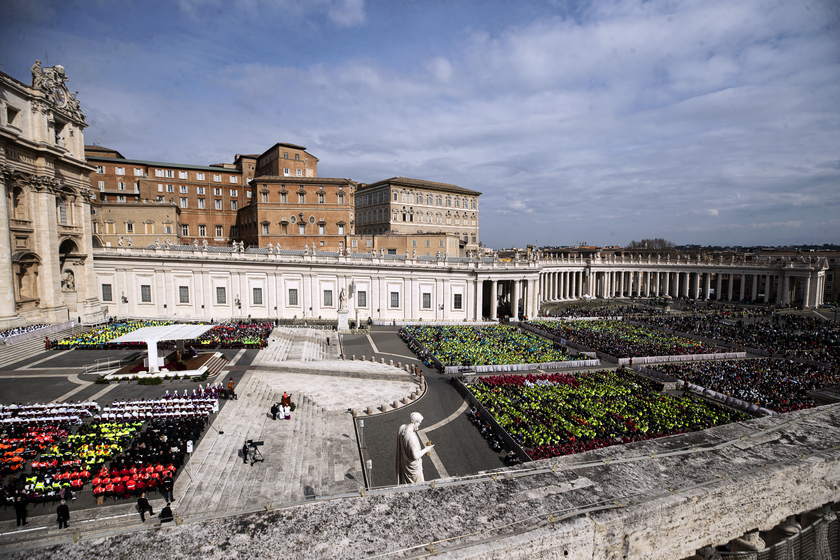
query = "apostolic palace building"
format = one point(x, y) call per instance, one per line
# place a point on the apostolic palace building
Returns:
point(88, 233)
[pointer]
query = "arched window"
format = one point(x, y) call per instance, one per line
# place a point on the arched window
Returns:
point(61, 205)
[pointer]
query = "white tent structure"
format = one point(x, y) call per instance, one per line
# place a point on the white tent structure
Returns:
point(152, 335)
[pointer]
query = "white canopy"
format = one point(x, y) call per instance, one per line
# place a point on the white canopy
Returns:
point(168, 332)
point(152, 335)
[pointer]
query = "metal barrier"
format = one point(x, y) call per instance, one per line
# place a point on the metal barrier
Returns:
point(816, 542)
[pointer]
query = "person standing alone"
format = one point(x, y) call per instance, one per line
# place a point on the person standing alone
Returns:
point(63, 514)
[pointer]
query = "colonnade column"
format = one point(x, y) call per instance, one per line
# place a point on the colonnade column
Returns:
point(786, 290)
point(696, 294)
point(742, 287)
point(514, 300)
point(656, 279)
point(806, 299)
point(479, 300)
point(494, 299)
point(574, 281)
point(719, 287)
point(676, 284)
point(754, 293)
point(707, 285)
point(667, 287)
point(767, 285)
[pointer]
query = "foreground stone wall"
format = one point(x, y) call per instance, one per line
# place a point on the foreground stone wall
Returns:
point(655, 500)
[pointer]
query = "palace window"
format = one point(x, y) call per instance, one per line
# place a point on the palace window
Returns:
point(301, 198)
point(201, 204)
point(202, 230)
point(129, 227)
point(217, 178)
point(234, 192)
point(264, 196)
point(265, 229)
point(145, 293)
point(427, 300)
point(107, 295)
point(456, 302)
point(220, 231)
point(341, 199)
point(185, 230)
point(234, 179)
point(170, 188)
point(217, 191)
point(184, 189)
point(119, 170)
point(395, 299)
point(184, 294)
point(182, 175)
point(328, 298)
point(257, 296)
point(221, 296)
point(218, 204)
point(302, 228)
point(362, 298)
point(138, 172)
point(293, 296)
point(184, 202)
point(234, 204)
point(320, 198)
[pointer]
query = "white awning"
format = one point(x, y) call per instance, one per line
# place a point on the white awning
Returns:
point(168, 332)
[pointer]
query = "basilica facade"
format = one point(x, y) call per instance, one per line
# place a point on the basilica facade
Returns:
point(46, 260)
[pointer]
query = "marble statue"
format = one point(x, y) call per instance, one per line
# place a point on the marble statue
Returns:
point(166, 243)
point(195, 243)
point(342, 299)
point(69, 281)
point(120, 241)
point(414, 254)
point(157, 242)
point(410, 452)
point(205, 244)
point(129, 241)
point(269, 247)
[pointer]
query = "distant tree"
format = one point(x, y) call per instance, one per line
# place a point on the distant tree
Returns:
point(657, 243)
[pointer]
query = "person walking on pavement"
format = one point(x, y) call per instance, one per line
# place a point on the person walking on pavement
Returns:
point(63, 514)
point(143, 506)
point(231, 392)
point(20, 511)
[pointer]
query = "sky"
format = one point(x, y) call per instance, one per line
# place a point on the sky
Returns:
point(707, 122)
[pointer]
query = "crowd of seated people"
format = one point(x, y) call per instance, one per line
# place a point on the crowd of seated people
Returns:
point(197, 405)
point(776, 384)
point(792, 336)
point(235, 335)
point(50, 414)
point(494, 440)
point(21, 330)
point(21, 443)
point(553, 415)
point(486, 345)
point(624, 340)
point(102, 336)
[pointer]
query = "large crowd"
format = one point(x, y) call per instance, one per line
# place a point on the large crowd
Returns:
point(116, 455)
point(791, 336)
point(101, 337)
point(561, 414)
point(779, 385)
point(21, 330)
point(487, 345)
point(225, 335)
point(624, 340)
point(235, 335)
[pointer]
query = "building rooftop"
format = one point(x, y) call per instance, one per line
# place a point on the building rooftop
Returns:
point(420, 183)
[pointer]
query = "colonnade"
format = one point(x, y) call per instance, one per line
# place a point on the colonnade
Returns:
point(782, 285)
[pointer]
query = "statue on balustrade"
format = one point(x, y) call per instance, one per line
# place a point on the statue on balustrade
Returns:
point(410, 452)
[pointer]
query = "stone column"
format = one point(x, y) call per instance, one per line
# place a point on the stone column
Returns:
point(719, 287)
point(786, 290)
point(514, 300)
point(696, 286)
point(730, 285)
point(667, 287)
point(754, 293)
point(767, 283)
point(621, 284)
point(806, 296)
point(8, 311)
point(676, 284)
point(707, 284)
point(479, 300)
point(494, 299)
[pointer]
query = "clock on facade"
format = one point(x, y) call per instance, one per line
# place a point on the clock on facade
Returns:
point(59, 96)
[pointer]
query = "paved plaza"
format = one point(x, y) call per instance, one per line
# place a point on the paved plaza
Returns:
point(314, 454)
